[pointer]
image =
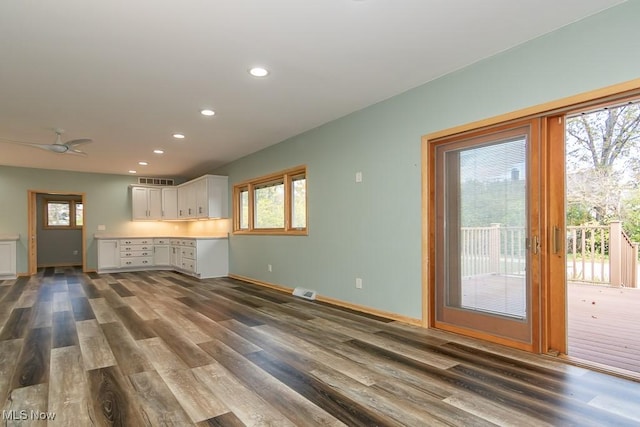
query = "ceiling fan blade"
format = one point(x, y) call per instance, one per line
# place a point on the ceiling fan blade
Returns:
point(75, 142)
point(76, 152)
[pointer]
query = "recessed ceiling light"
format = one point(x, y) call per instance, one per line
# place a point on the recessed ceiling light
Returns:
point(259, 72)
point(132, 171)
point(178, 136)
point(158, 151)
point(143, 163)
point(207, 112)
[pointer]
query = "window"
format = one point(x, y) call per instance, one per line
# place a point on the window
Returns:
point(63, 214)
point(272, 204)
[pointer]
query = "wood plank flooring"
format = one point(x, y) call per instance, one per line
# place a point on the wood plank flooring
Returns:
point(160, 348)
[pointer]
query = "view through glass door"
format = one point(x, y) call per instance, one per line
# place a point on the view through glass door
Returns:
point(486, 241)
point(602, 167)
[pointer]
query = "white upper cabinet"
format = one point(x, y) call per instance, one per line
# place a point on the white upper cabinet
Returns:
point(169, 203)
point(204, 197)
point(186, 201)
point(146, 203)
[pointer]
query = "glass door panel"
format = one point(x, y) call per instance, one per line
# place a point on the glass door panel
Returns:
point(483, 232)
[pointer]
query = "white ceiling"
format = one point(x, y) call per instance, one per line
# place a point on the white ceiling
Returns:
point(130, 73)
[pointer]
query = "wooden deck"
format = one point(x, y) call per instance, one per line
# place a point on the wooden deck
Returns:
point(603, 322)
point(604, 325)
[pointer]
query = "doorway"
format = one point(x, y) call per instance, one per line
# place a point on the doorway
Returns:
point(602, 167)
point(56, 230)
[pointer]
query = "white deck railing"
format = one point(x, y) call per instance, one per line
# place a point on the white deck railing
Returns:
point(595, 254)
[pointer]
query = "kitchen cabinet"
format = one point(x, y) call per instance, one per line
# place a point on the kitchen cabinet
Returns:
point(108, 254)
point(211, 196)
point(146, 203)
point(161, 255)
point(204, 197)
point(136, 253)
point(187, 201)
point(8, 269)
point(201, 257)
point(204, 258)
point(169, 203)
point(175, 254)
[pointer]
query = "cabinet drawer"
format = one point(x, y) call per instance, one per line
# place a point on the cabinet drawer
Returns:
point(188, 253)
point(189, 243)
point(136, 262)
point(161, 241)
point(175, 242)
point(135, 248)
point(189, 265)
point(136, 254)
point(136, 242)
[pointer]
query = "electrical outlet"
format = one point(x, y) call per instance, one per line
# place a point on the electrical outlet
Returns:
point(269, 268)
point(75, 252)
point(358, 176)
point(358, 283)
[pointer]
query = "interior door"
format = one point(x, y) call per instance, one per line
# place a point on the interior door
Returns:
point(486, 242)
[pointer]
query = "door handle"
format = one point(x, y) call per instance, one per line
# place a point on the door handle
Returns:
point(534, 244)
point(556, 239)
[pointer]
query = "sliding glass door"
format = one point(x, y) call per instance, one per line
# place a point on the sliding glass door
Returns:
point(485, 247)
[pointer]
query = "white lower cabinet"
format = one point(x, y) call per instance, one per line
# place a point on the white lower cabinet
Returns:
point(136, 253)
point(161, 256)
point(204, 258)
point(199, 257)
point(8, 269)
point(108, 254)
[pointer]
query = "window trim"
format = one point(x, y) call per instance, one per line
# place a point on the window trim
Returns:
point(286, 176)
point(72, 214)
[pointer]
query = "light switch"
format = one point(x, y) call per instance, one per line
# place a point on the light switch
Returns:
point(358, 176)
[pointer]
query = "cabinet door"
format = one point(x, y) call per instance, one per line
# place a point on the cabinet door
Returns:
point(170, 203)
point(154, 203)
point(108, 254)
point(139, 203)
point(201, 197)
point(186, 201)
point(161, 255)
point(175, 256)
point(217, 190)
point(8, 259)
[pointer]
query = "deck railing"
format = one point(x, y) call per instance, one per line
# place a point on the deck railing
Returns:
point(595, 254)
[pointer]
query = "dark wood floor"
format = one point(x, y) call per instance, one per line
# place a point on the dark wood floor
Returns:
point(164, 349)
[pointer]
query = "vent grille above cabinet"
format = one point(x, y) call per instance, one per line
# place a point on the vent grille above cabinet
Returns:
point(155, 181)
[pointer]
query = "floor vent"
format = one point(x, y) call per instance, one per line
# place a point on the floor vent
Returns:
point(304, 293)
point(155, 181)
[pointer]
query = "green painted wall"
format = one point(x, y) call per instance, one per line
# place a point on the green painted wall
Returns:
point(372, 230)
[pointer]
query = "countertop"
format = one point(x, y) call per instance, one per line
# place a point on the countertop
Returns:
point(5, 237)
point(121, 236)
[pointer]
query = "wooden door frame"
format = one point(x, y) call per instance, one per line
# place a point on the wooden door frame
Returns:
point(524, 336)
point(32, 207)
point(553, 296)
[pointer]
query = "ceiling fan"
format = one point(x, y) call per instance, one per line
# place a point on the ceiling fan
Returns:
point(58, 147)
